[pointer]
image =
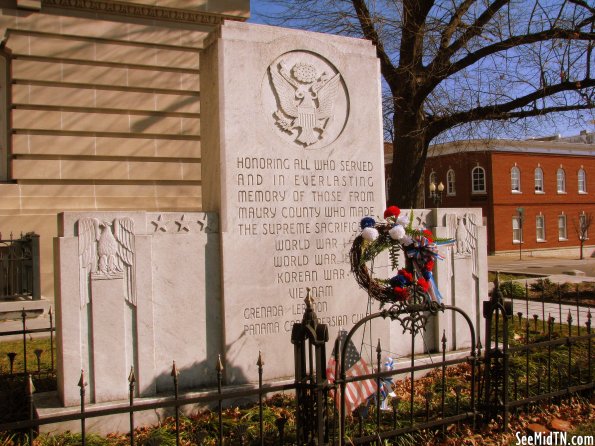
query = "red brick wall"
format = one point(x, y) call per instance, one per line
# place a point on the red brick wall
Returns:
point(462, 163)
point(499, 204)
point(551, 204)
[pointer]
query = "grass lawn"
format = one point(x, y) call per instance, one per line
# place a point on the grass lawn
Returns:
point(17, 347)
point(504, 277)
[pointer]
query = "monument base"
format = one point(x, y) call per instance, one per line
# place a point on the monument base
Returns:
point(48, 404)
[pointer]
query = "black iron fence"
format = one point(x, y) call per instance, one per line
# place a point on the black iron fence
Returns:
point(319, 414)
point(522, 363)
point(24, 358)
point(237, 434)
point(19, 359)
point(529, 358)
point(19, 268)
point(542, 298)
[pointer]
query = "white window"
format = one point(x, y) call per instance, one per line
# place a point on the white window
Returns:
point(539, 180)
point(561, 181)
point(450, 183)
point(582, 181)
point(562, 234)
point(583, 227)
point(517, 230)
point(515, 179)
point(540, 228)
point(478, 177)
point(432, 179)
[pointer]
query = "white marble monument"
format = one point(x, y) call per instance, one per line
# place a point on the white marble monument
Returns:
point(292, 160)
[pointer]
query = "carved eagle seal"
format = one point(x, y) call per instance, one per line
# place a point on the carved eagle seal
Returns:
point(305, 100)
point(106, 251)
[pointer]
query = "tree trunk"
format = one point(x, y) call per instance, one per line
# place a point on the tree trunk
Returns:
point(410, 147)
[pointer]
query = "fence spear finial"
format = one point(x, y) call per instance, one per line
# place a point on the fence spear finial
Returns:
point(131, 376)
point(30, 388)
point(219, 364)
point(82, 383)
point(309, 300)
point(260, 362)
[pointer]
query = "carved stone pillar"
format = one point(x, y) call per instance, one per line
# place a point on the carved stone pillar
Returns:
point(109, 323)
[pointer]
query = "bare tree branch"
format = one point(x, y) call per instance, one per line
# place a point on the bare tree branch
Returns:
point(473, 30)
point(365, 20)
point(454, 23)
point(505, 110)
point(513, 42)
point(516, 41)
point(450, 63)
point(583, 4)
point(581, 227)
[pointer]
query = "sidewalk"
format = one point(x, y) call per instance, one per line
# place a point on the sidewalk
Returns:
point(17, 325)
point(571, 270)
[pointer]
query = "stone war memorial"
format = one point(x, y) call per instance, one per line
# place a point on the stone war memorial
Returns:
point(190, 177)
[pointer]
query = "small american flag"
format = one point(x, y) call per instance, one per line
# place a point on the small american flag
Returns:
point(356, 393)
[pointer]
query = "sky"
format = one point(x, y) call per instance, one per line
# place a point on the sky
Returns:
point(257, 6)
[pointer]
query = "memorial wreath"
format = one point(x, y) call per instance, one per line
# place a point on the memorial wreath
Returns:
point(414, 282)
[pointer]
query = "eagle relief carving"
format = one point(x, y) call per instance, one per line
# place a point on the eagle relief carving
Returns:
point(306, 93)
point(464, 229)
point(106, 251)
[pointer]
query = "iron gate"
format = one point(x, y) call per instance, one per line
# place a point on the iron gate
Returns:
point(528, 362)
point(19, 268)
point(319, 423)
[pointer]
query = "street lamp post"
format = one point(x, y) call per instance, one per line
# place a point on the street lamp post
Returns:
point(436, 193)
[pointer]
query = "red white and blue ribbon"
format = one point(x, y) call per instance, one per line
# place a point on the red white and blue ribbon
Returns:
point(386, 385)
point(420, 252)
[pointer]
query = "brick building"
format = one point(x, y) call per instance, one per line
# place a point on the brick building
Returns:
point(551, 180)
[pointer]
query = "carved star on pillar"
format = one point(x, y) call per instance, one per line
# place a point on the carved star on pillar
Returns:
point(184, 225)
point(207, 224)
point(160, 224)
